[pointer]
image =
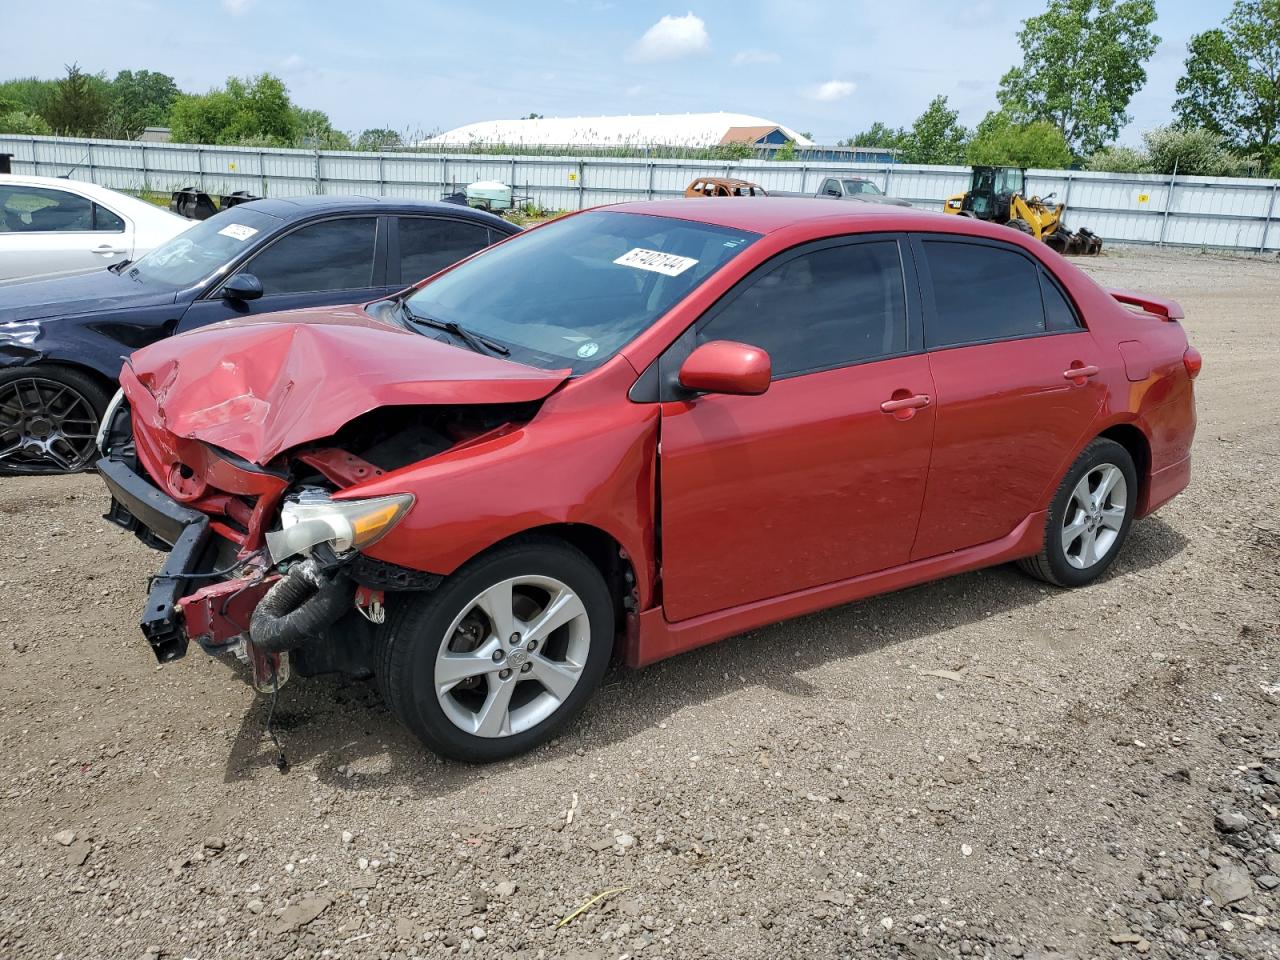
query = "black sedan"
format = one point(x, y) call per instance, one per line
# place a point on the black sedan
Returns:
point(62, 342)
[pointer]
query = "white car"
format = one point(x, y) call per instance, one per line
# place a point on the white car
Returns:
point(50, 227)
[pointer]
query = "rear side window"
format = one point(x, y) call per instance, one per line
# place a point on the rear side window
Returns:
point(1058, 315)
point(828, 308)
point(331, 255)
point(981, 293)
point(429, 244)
point(104, 221)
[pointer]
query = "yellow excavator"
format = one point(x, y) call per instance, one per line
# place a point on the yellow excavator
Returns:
point(998, 195)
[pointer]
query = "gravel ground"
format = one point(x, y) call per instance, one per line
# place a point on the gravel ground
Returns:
point(980, 767)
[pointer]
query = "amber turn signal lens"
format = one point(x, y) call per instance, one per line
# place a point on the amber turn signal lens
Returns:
point(1192, 360)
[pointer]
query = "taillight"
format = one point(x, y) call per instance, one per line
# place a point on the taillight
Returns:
point(1192, 360)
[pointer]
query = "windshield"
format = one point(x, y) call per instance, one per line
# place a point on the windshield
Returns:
point(197, 253)
point(861, 186)
point(572, 293)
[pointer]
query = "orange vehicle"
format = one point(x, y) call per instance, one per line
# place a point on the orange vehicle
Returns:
point(723, 187)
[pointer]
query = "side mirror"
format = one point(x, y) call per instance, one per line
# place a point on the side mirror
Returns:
point(723, 366)
point(242, 286)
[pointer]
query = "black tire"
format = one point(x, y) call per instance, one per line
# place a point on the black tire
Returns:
point(969, 213)
point(1053, 564)
point(1021, 226)
point(415, 634)
point(71, 392)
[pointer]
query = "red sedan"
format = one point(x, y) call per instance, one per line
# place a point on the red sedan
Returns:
point(634, 431)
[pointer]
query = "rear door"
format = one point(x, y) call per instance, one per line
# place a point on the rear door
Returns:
point(337, 260)
point(816, 480)
point(1016, 378)
point(426, 245)
point(46, 233)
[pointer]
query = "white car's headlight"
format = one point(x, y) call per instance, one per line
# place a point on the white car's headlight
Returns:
point(346, 525)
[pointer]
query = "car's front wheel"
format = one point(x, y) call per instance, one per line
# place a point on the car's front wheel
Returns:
point(1089, 517)
point(503, 654)
point(49, 418)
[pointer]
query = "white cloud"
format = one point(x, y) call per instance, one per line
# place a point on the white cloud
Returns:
point(236, 7)
point(292, 62)
point(833, 90)
point(671, 38)
point(746, 57)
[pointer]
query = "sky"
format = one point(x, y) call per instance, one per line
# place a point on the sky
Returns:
point(826, 67)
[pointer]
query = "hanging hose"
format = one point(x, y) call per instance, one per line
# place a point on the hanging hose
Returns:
point(298, 607)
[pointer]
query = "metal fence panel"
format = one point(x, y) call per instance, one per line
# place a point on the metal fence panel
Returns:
point(1198, 211)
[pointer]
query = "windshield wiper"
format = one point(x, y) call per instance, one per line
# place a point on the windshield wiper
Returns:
point(475, 341)
point(117, 267)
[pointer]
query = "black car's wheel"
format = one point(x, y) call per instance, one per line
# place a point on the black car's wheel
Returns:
point(503, 654)
point(1089, 517)
point(49, 418)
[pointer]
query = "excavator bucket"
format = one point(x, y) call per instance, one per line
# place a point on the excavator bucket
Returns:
point(1083, 242)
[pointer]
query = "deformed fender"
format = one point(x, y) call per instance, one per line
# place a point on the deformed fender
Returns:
point(588, 457)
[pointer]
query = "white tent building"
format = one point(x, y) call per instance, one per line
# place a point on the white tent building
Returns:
point(660, 129)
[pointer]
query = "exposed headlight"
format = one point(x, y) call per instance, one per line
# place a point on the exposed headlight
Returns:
point(314, 518)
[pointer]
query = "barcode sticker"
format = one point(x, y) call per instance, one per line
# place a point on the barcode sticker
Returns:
point(656, 261)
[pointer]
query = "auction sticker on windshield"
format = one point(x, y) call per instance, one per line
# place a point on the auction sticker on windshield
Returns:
point(237, 231)
point(656, 260)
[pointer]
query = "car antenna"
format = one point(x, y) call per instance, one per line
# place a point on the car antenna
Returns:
point(67, 175)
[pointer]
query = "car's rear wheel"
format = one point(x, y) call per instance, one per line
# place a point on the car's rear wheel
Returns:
point(1089, 517)
point(49, 418)
point(503, 654)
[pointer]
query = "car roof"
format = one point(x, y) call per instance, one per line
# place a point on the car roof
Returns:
point(770, 214)
point(83, 187)
point(292, 208)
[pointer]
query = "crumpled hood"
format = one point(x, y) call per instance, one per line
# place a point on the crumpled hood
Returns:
point(258, 387)
point(69, 296)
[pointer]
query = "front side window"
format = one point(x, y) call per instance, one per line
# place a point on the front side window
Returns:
point(980, 293)
point(574, 292)
point(429, 244)
point(40, 210)
point(831, 307)
point(330, 255)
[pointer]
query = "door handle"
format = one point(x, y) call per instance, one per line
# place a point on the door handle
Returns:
point(107, 248)
point(1078, 374)
point(904, 408)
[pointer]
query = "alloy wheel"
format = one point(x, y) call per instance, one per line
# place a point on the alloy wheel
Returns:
point(45, 427)
point(512, 656)
point(1094, 516)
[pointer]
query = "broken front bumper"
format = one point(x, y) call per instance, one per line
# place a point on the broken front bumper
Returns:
point(143, 509)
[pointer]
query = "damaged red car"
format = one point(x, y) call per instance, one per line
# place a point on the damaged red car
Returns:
point(633, 431)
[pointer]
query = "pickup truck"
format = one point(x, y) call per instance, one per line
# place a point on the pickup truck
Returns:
point(848, 188)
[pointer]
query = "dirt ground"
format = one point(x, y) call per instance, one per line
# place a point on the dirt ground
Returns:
point(980, 767)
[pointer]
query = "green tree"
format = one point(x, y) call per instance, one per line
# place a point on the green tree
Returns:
point(378, 138)
point(27, 124)
point(1232, 80)
point(1195, 152)
point(139, 100)
point(314, 129)
point(877, 135)
point(1116, 159)
point(77, 104)
point(27, 94)
point(254, 109)
point(1000, 142)
point(936, 137)
point(1082, 62)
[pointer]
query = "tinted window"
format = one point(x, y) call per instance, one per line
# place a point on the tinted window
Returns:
point(981, 293)
point(821, 309)
point(428, 245)
point(332, 255)
point(571, 293)
point(105, 220)
point(1057, 311)
point(37, 210)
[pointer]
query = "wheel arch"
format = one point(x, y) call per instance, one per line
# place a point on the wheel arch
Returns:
point(606, 554)
point(1138, 445)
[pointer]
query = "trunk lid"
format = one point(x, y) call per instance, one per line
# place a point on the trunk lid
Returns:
point(259, 387)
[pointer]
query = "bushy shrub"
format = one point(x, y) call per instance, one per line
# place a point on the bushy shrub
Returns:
point(1119, 160)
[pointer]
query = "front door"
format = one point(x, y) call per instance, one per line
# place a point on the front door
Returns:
point(331, 261)
point(1015, 375)
point(821, 478)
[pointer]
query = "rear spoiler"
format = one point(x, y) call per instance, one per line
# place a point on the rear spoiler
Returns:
point(1160, 306)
